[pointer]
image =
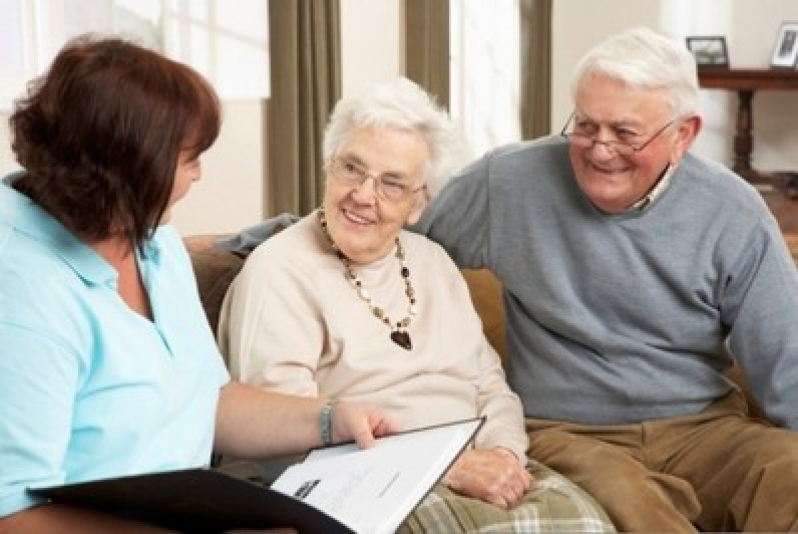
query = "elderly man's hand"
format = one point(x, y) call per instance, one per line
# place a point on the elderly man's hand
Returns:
point(492, 475)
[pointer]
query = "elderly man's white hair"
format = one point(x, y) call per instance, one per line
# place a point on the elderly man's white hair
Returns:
point(403, 105)
point(644, 59)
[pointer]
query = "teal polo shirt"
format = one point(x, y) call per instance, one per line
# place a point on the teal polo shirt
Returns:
point(88, 388)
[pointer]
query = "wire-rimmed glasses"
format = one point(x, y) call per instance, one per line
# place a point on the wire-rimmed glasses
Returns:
point(622, 148)
point(388, 187)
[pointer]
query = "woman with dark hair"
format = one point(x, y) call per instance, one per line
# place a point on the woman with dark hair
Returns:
point(100, 133)
point(107, 364)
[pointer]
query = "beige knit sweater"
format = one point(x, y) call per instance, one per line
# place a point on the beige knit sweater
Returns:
point(291, 322)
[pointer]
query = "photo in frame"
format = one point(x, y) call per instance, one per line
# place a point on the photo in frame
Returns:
point(785, 52)
point(709, 51)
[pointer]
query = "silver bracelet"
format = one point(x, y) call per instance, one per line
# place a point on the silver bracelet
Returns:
point(326, 423)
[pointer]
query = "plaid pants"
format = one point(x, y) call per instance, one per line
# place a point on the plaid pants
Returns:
point(554, 505)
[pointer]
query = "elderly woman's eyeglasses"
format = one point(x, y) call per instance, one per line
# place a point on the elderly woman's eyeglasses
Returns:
point(588, 139)
point(388, 187)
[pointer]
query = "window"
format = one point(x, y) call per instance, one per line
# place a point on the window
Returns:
point(230, 47)
point(17, 59)
point(484, 45)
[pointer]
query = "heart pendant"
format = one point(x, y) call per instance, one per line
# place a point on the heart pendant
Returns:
point(402, 339)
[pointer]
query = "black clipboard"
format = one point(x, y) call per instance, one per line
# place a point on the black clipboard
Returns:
point(194, 500)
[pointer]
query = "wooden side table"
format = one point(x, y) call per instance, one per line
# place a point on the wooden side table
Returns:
point(746, 82)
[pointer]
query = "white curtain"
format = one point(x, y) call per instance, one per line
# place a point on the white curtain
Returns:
point(485, 71)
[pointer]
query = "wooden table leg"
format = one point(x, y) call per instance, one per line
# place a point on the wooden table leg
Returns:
point(743, 138)
point(744, 141)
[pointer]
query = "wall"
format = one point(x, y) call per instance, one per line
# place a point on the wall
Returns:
point(372, 42)
point(232, 192)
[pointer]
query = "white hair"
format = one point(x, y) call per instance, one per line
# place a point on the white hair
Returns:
point(642, 58)
point(403, 105)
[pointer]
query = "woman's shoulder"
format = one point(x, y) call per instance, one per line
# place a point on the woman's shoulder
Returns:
point(295, 248)
point(43, 294)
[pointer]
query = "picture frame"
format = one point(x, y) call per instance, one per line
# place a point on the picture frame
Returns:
point(709, 51)
point(785, 51)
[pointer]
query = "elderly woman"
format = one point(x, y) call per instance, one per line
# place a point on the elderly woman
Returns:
point(345, 305)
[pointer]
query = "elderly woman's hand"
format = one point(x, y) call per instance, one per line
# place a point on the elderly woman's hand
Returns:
point(492, 475)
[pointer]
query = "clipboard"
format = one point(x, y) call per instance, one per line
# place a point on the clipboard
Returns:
point(200, 500)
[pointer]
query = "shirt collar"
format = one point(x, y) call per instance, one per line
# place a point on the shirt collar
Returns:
point(26, 217)
point(662, 184)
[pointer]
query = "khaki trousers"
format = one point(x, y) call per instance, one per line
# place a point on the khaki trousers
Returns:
point(717, 470)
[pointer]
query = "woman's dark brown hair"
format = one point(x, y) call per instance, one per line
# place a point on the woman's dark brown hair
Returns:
point(100, 135)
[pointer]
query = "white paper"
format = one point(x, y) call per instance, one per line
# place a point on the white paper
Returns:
point(374, 490)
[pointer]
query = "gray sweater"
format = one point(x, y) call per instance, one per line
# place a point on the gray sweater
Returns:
point(617, 319)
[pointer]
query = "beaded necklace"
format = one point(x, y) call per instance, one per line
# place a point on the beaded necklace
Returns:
point(399, 333)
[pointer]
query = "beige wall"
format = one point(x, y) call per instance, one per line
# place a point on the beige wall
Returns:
point(372, 46)
point(232, 193)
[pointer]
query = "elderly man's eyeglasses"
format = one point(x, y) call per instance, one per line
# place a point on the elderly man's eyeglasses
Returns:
point(583, 139)
point(388, 187)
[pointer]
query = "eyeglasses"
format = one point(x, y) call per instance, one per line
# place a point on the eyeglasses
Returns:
point(622, 148)
point(388, 187)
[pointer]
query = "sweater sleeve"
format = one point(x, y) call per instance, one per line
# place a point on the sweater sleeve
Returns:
point(458, 217)
point(504, 424)
point(269, 329)
point(504, 416)
point(761, 305)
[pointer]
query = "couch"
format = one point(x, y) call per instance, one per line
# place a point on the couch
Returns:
point(215, 269)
